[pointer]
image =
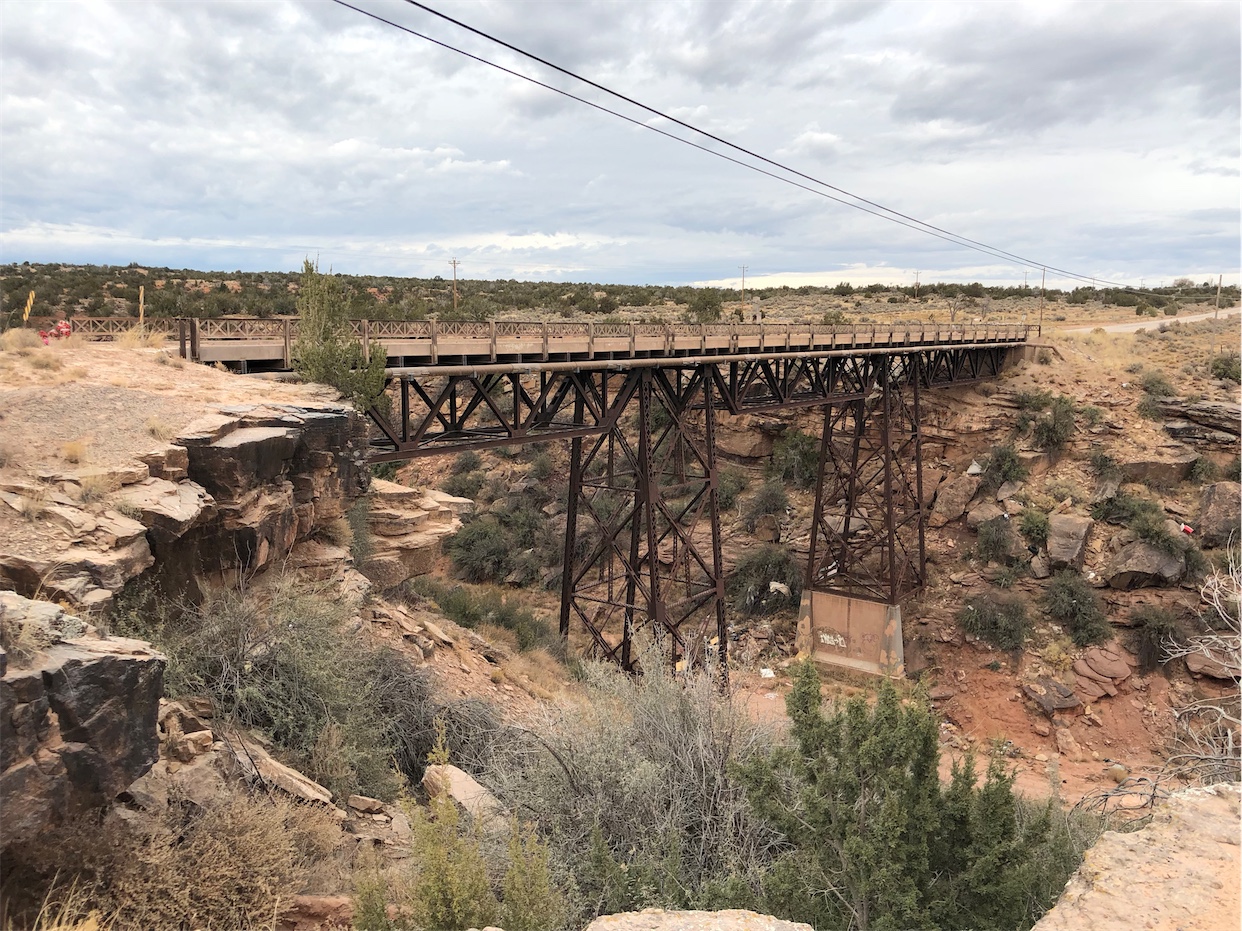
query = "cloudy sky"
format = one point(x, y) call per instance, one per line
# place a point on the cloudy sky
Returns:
point(1102, 138)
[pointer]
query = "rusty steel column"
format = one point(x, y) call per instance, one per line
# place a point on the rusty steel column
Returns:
point(868, 510)
point(646, 564)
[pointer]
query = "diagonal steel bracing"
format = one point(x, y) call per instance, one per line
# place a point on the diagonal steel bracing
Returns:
point(867, 535)
point(642, 547)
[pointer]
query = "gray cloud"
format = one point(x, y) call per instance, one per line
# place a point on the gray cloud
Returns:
point(244, 134)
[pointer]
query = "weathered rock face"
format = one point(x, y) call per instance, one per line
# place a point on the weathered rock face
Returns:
point(1179, 872)
point(236, 491)
point(275, 475)
point(1139, 563)
point(1168, 469)
point(1220, 510)
point(1067, 540)
point(77, 725)
point(407, 526)
point(952, 499)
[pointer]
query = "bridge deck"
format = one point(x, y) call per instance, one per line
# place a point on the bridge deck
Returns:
point(421, 345)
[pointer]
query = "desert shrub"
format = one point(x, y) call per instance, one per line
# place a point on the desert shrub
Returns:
point(234, 863)
point(871, 831)
point(995, 540)
point(1156, 385)
point(468, 461)
point(769, 499)
point(634, 791)
point(1122, 508)
point(281, 661)
point(387, 471)
point(1155, 628)
point(750, 585)
point(1150, 525)
point(74, 451)
point(1002, 466)
point(1203, 471)
point(541, 467)
point(1233, 469)
point(450, 887)
point(1033, 526)
point(1091, 414)
point(474, 608)
point(732, 481)
point(1227, 366)
point(795, 459)
point(464, 484)
point(480, 551)
point(1001, 622)
point(1053, 429)
point(1104, 465)
point(1071, 600)
point(1033, 400)
point(1008, 576)
point(1149, 408)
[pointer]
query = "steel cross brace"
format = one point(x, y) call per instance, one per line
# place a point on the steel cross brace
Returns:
point(867, 533)
point(643, 528)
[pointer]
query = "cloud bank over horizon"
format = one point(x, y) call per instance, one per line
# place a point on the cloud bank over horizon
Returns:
point(1100, 138)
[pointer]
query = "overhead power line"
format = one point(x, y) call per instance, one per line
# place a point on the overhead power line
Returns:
point(856, 201)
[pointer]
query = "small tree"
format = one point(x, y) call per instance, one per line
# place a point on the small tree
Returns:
point(705, 306)
point(326, 350)
point(875, 841)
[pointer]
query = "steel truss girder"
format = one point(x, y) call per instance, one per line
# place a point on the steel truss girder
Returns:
point(643, 528)
point(867, 533)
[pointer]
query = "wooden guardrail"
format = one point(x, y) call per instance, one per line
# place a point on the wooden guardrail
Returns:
point(270, 340)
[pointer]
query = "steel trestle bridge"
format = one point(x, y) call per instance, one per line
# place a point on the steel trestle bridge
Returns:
point(639, 405)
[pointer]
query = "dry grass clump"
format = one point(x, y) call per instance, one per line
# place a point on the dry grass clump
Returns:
point(19, 339)
point(160, 429)
point(94, 488)
point(46, 361)
point(7, 455)
point(33, 503)
point(75, 451)
point(338, 532)
point(237, 863)
point(537, 671)
point(141, 338)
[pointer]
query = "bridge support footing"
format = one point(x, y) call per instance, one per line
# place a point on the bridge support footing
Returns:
point(867, 549)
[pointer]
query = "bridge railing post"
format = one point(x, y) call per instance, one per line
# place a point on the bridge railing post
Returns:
point(435, 347)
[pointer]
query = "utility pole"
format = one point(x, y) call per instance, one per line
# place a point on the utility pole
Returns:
point(743, 268)
point(916, 285)
point(454, 263)
point(1024, 279)
point(1219, 279)
point(141, 306)
point(1043, 276)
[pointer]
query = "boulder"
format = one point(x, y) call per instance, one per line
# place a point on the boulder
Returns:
point(465, 791)
point(1221, 416)
point(768, 529)
point(1008, 490)
point(256, 764)
point(167, 507)
point(1105, 489)
point(981, 513)
point(1050, 695)
point(1162, 470)
point(1067, 540)
point(366, 804)
point(1107, 664)
point(1220, 513)
point(1217, 664)
point(77, 725)
point(1067, 746)
point(1039, 567)
point(171, 462)
point(952, 499)
point(1139, 563)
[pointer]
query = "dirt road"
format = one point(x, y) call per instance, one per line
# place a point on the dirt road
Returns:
point(1148, 323)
